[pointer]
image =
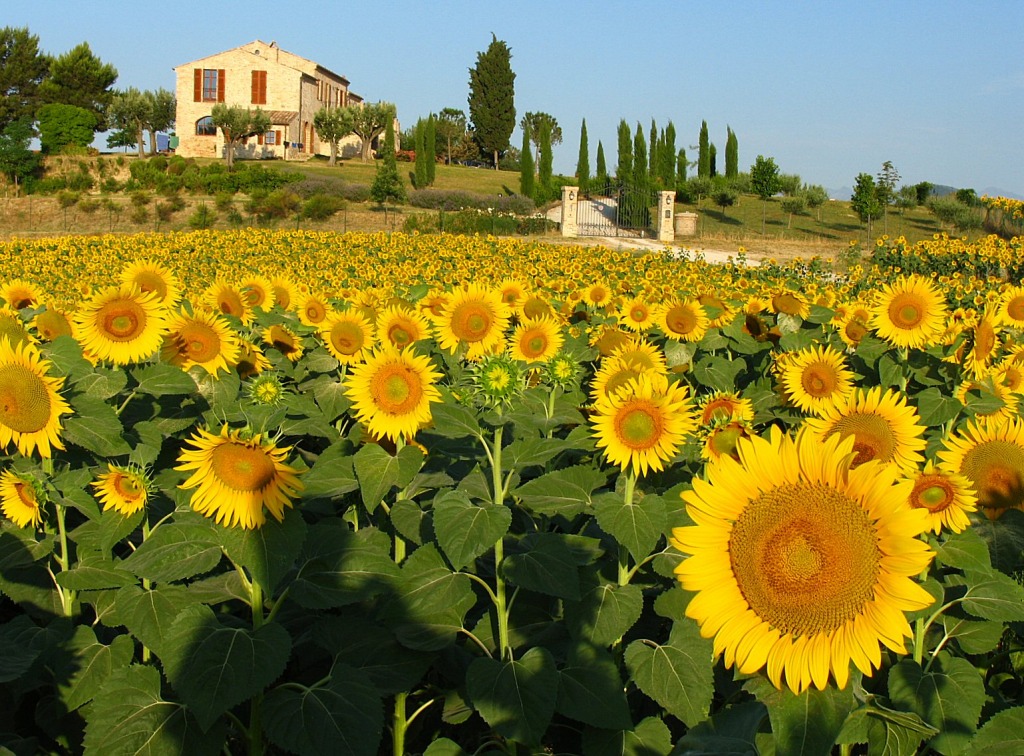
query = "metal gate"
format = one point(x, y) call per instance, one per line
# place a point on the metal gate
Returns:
point(615, 210)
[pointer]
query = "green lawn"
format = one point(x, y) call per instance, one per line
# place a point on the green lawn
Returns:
point(479, 180)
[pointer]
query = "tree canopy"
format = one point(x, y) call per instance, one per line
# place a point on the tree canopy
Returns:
point(22, 69)
point(332, 125)
point(451, 126)
point(492, 98)
point(369, 121)
point(62, 125)
point(237, 123)
point(81, 79)
point(536, 121)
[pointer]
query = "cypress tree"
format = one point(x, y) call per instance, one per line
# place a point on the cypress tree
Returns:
point(652, 166)
point(667, 157)
point(624, 170)
point(543, 188)
point(732, 155)
point(703, 156)
point(387, 184)
point(712, 161)
point(681, 167)
point(420, 167)
point(583, 162)
point(492, 98)
point(526, 182)
point(636, 210)
point(430, 140)
point(602, 167)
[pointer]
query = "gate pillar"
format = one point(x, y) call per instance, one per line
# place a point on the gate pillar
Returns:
point(666, 209)
point(570, 198)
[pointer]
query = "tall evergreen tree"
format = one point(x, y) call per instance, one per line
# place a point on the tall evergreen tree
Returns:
point(583, 161)
point(667, 157)
point(624, 169)
point(732, 155)
point(652, 165)
point(601, 166)
point(703, 155)
point(22, 70)
point(535, 121)
point(430, 147)
point(681, 165)
point(81, 79)
point(492, 98)
point(387, 184)
point(544, 189)
point(526, 179)
point(420, 146)
point(636, 210)
point(712, 160)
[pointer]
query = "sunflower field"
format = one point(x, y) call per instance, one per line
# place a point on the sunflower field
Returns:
point(311, 493)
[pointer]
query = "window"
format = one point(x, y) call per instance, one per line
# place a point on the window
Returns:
point(208, 84)
point(259, 87)
point(270, 137)
point(205, 127)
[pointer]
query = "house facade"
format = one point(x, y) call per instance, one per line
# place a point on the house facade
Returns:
point(289, 88)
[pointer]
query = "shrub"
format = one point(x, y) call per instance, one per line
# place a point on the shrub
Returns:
point(110, 185)
point(321, 207)
point(140, 198)
point(202, 218)
point(176, 202)
point(281, 204)
point(67, 198)
point(158, 163)
point(224, 201)
point(88, 205)
point(80, 182)
point(448, 199)
point(139, 214)
point(164, 211)
point(235, 218)
point(176, 165)
point(314, 185)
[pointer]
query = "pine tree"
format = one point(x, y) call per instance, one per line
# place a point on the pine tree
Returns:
point(22, 70)
point(624, 169)
point(81, 79)
point(543, 189)
point(492, 98)
point(583, 162)
point(712, 160)
point(430, 148)
point(732, 155)
point(526, 182)
point(601, 167)
point(703, 156)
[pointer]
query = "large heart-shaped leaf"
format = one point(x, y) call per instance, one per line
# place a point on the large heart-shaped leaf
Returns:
point(516, 698)
point(464, 530)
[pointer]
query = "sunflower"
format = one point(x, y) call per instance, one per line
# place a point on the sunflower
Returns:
point(225, 298)
point(251, 360)
point(641, 354)
point(682, 320)
point(984, 344)
point(725, 406)
point(790, 303)
point(153, 277)
point(257, 292)
point(989, 388)
point(285, 293)
point(13, 328)
point(597, 294)
point(313, 310)
point(1011, 307)
point(607, 339)
point(815, 378)
point(475, 317)
point(536, 341)
point(124, 489)
point(19, 294)
point(392, 391)
point(562, 371)
point(644, 423)
point(21, 498)
point(945, 495)
point(121, 324)
point(236, 477)
point(202, 338)
point(883, 427)
point(800, 562)
point(612, 375)
point(535, 307)
point(401, 327)
point(636, 315)
point(723, 437)
point(990, 454)
point(718, 311)
point(348, 336)
point(851, 330)
point(910, 312)
point(284, 340)
point(30, 405)
point(51, 323)
point(513, 292)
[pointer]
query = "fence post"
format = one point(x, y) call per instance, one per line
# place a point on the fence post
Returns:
point(570, 196)
point(666, 211)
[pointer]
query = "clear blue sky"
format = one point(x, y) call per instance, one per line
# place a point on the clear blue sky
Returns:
point(828, 89)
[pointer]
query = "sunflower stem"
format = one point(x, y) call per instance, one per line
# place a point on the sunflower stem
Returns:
point(131, 395)
point(919, 631)
point(399, 723)
point(628, 493)
point(550, 408)
point(500, 607)
point(67, 596)
point(147, 584)
point(256, 705)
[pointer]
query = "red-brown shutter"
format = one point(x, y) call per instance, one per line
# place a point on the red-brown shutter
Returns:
point(263, 87)
point(277, 140)
point(220, 85)
point(255, 97)
point(259, 139)
point(197, 84)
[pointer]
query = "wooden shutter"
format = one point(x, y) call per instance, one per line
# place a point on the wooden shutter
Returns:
point(277, 140)
point(197, 85)
point(259, 139)
point(220, 85)
point(259, 87)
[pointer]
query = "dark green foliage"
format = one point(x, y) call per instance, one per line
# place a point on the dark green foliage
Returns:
point(865, 201)
point(924, 191)
point(387, 184)
point(764, 180)
point(583, 161)
point(703, 153)
point(712, 161)
point(420, 172)
point(450, 126)
point(624, 169)
point(526, 172)
point(430, 149)
point(681, 165)
point(81, 79)
point(653, 145)
point(492, 98)
point(61, 126)
point(535, 122)
point(601, 167)
point(17, 161)
point(203, 217)
point(543, 190)
point(732, 154)
point(321, 207)
point(22, 70)
point(667, 157)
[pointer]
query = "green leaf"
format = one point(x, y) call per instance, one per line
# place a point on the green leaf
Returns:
point(890, 370)
point(935, 408)
point(528, 452)
point(648, 738)
point(128, 717)
point(894, 733)
point(431, 602)
point(679, 353)
point(339, 567)
point(464, 530)
point(949, 697)
point(95, 575)
point(164, 379)
point(102, 383)
point(994, 596)
point(221, 392)
point(267, 552)
point(965, 551)
point(605, 613)
point(718, 373)
point(1002, 735)
point(730, 730)
point(343, 716)
point(547, 566)
point(176, 550)
point(378, 472)
point(444, 747)
point(973, 637)
point(677, 675)
point(870, 348)
point(149, 614)
point(17, 638)
point(566, 491)
point(214, 667)
point(590, 690)
point(85, 664)
point(637, 526)
point(330, 395)
point(331, 475)
point(65, 354)
point(516, 698)
point(454, 421)
point(96, 428)
point(804, 724)
point(411, 522)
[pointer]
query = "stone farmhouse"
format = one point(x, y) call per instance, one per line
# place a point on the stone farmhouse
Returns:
point(289, 88)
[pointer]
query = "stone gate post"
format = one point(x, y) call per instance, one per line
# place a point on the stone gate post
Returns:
point(570, 197)
point(666, 210)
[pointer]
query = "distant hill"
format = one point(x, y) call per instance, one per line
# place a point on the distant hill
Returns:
point(844, 193)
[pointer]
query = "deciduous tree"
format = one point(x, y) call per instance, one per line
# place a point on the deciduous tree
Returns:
point(451, 125)
point(130, 111)
point(885, 188)
point(865, 199)
point(536, 121)
point(332, 125)
point(492, 98)
point(17, 161)
point(764, 180)
point(237, 123)
point(162, 112)
point(369, 121)
point(63, 125)
point(22, 70)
